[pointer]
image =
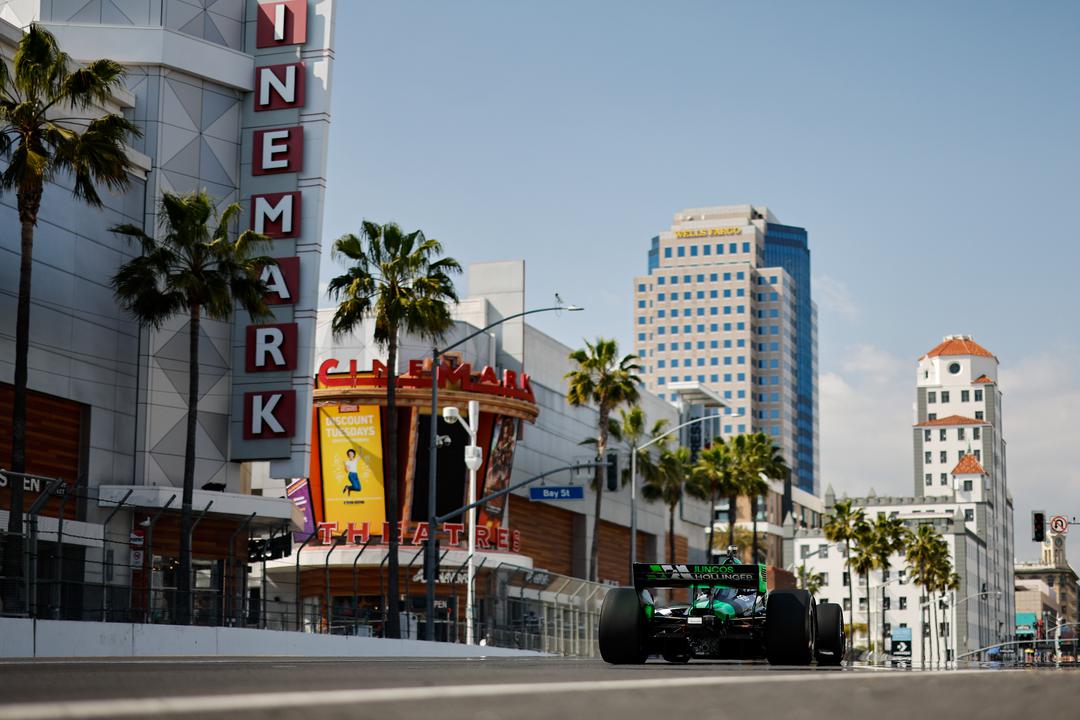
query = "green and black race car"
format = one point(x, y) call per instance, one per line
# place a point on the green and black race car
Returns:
point(730, 614)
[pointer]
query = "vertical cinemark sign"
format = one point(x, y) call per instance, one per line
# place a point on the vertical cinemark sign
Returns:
point(283, 175)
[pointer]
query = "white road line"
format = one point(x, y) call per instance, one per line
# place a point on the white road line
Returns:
point(198, 704)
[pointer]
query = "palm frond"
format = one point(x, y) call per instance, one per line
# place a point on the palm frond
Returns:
point(92, 84)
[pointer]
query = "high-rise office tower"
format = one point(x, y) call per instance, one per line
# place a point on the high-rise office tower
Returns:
point(726, 305)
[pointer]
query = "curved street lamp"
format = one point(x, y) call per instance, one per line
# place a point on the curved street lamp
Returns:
point(432, 570)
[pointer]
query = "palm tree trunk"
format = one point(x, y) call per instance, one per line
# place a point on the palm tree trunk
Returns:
point(712, 524)
point(753, 520)
point(12, 570)
point(182, 602)
point(671, 534)
point(941, 635)
point(869, 618)
point(924, 620)
point(851, 600)
point(598, 479)
point(934, 630)
point(393, 619)
point(883, 609)
point(732, 499)
point(948, 634)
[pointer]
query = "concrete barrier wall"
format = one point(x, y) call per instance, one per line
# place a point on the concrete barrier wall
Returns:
point(22, 638)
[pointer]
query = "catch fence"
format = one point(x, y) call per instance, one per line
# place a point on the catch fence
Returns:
point(68, 574)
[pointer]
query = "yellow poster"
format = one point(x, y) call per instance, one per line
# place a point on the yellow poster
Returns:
point(352, 471)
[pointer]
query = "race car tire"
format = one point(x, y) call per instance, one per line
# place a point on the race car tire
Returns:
point(830, 634)
point(677, 658)
point(622, 628)
point(789, 627)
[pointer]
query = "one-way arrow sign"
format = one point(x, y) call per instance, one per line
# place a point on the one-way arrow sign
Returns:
point(901, 648)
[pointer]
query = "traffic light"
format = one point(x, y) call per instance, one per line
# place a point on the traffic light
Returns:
point(1038, 525)
point(612, 471)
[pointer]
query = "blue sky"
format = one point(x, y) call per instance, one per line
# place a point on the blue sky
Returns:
point(930, 149)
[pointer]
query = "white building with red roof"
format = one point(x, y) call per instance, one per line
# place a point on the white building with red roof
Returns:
point(960, 489)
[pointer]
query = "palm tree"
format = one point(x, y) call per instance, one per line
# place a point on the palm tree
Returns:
point(40, 143)
point(863, 561)
point(194, 268)
point(808, 579)
point(714, 468)
point(399, 281)
point(941, 579)
point(946, 580)
point(889, 536)
point(921, 553)
point(632, 430)
point(608, 381)
point(757, 458)
point(675, 480)
point(843, 525)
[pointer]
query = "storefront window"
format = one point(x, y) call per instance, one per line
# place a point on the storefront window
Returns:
point(205, 590)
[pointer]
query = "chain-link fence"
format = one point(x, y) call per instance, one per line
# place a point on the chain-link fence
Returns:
point(126, 569)
point(123, 569)
point(543, 611)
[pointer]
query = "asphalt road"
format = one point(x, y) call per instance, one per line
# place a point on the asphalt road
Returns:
point(519, 689)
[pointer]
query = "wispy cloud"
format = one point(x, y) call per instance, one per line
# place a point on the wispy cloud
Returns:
point(833, 295)
point(866, 423)
point(873, 363)
point(1041, 412)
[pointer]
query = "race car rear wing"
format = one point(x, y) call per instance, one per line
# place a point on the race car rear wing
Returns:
point(747, 577)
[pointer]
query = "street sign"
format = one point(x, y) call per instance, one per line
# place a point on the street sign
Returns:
point(560, 492)
point(273, 548)
point(901, 642)
point(1059, 524)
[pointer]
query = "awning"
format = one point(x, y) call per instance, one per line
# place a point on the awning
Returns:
point(74, 532)
point(696, 393)
point(269, 511)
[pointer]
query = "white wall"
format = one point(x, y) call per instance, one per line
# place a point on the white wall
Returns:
point(23, 638)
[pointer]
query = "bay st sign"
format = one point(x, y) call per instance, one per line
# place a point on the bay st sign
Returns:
point(283, 176)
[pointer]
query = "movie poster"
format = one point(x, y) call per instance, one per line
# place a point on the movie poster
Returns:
point(299, 491)
point(350, 450)
point(500, 465)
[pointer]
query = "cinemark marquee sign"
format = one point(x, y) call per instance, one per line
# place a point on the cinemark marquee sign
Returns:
point(453, 534)
point(283, 176)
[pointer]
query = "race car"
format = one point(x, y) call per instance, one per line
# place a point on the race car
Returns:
point(727, 613)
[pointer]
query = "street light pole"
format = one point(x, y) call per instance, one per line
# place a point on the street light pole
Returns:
point(433, 431)
point(473, 459)
point(953, 604)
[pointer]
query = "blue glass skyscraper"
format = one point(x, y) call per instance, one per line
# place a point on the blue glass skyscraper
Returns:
point(788, 247)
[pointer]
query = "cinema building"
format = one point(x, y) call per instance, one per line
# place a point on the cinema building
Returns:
point(232, 97)
point(531, 554)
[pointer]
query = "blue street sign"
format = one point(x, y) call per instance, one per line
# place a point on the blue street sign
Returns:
point(550, 492)
point(901, 633)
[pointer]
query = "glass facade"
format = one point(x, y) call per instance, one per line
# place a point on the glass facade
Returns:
point(788, 247)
